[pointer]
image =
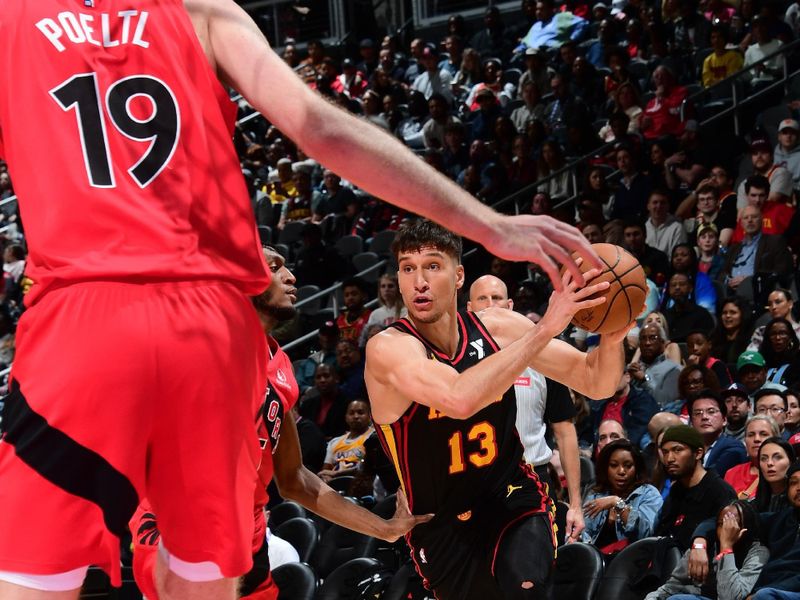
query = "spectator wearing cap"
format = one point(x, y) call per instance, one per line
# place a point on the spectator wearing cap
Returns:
point(696, 494)
point(369, 58)
point(775, 214)
point(708, 416)
point(537, 70)
point(491, 39)
point(433, 80)
point(772, 400)
point(722, 62)
point(787, 150)
point(553, 28)
point(352, 82)
point(738, 408)
point(757, 252)
point(763, 45)
point(763, 161)
point(743, 478)
point(328, 336)
point(662, 115)
point(751, 371)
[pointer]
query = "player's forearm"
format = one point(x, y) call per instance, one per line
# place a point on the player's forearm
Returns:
point(380, 164)
point(604, 367)
point(311, 492)
point(567, 441)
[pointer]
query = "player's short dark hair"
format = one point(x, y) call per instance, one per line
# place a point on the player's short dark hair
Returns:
point(756, 181)
point(420, 233)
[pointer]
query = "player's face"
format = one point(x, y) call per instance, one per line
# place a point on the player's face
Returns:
point(279, 298)
point(428, 281)
point(679, 459)
point(486, 293)
point(357, 416)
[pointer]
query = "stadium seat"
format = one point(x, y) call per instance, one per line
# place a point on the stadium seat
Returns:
point(349, 245)
point(280, 513)
point(265, 234)
point(356, 579)
point(560, 521)
point(578, 572)
point(337, 546)
point(365, 260)
point(639, 569)
point(381, 243)
point(291, 233)
point(312, 307)
point(302, 534)
point(341, 484)
point(406, 584)
point(587, 474)
point(296, 581)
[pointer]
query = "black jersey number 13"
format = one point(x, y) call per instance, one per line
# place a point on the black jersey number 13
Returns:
point(162, 128)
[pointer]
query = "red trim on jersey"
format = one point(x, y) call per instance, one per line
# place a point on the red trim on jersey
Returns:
point(425, 582)
point(514, 522)
point(482, 328)
point(406, 471)
point(464, 339)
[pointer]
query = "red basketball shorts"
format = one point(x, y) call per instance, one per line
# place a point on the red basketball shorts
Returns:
point(146, 536)
point(122, 391)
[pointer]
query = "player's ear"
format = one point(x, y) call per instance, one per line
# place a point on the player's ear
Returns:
point(510, 304)
point(459, 277)
point(469, 305)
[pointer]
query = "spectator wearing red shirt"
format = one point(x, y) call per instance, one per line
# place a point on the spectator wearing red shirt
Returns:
point(775, 215)
point(662, 115)
point(354, 319)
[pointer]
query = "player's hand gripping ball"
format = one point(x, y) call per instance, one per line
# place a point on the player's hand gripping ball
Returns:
point(625, 296)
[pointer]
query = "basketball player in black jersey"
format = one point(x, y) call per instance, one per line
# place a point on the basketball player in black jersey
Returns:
point(441, 385)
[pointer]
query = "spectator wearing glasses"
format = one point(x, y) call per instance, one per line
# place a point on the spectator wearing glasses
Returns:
point(743, 478)
point(707, 412)
point(779, 305)
point(771, 400)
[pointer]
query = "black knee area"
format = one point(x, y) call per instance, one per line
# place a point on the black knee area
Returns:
point(525, 559)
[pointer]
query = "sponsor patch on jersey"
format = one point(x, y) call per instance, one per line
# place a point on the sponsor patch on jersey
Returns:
point(523, 381)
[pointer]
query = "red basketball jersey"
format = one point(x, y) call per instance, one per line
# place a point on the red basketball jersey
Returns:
point(280, 396)
point(118, 138)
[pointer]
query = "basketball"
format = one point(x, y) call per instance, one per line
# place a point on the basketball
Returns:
point(625, 296)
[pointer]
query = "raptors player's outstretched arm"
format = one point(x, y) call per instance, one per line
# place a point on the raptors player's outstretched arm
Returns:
point(367, 156)
point(399, 372)
point(297, 483)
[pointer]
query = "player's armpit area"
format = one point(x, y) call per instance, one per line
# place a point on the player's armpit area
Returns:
point(399, 372)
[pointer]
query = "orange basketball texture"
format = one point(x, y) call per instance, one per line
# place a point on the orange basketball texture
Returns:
point(625, 296)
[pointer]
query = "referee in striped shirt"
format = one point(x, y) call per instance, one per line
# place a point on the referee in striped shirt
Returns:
point(540, 401)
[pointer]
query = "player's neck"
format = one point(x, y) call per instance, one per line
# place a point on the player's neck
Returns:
point(442, 333)
point(267, 322)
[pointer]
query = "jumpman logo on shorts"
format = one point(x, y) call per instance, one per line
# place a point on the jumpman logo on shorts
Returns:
point(511, 489)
